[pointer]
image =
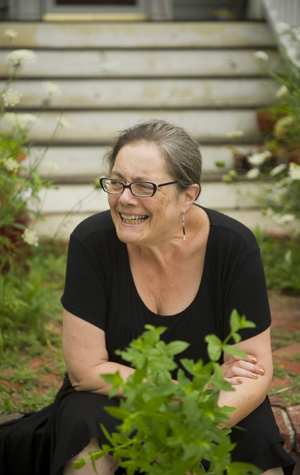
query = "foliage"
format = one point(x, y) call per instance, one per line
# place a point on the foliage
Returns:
point(32, 330)
point(277, 160)
point(169, 427)
point(281, 261)
point(20, 187)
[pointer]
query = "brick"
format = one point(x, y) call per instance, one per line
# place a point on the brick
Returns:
point(294, 415)
point(289, 350)
point(285, 428)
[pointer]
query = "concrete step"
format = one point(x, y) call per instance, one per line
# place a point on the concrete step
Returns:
point(139, 35)
point(127, 63)
point(91, 127)
point(149, 93)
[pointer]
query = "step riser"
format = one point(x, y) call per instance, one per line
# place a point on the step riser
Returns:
point(145, 93)
point(85, 164)
point(171, 63)
point(101, 127)
point(139, 35)
point(213, 195)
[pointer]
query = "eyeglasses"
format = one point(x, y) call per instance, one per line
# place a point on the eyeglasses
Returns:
point(145, 189)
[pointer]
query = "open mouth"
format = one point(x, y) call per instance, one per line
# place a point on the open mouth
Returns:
point(133, 218)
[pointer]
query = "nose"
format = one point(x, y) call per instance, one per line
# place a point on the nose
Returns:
point(127, 198)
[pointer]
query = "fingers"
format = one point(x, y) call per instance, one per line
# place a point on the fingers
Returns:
point(235, 369)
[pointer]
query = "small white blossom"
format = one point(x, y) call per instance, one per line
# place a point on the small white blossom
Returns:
point(64, 123)
point(10, 34)
point(11, 97)
point(284, 218)
point(11, 164)
point(278, 169)
point(261, 56)
point(30, 237)
point(20, 120)
point(282, 91)
point(233, 134)
point(283, 27)
point(252, 174)
point(259, 158)
point(50, 88)
point(19, 57)
point(294, 171)
point(288, 257)
point(51, 167)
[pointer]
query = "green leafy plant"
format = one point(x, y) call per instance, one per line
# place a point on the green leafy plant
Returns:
point(281, 261)
point(276, 161)
point(169, 426)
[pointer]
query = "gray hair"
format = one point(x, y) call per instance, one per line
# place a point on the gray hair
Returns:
point(181, 152)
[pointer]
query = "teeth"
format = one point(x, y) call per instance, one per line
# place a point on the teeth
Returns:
point(133, 218)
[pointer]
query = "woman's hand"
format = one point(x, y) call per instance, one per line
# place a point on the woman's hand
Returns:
point(234, 369)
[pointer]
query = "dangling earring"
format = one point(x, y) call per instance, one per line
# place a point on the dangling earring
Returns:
point(183, 227)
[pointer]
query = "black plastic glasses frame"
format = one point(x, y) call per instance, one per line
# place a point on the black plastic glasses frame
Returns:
point(155, 186)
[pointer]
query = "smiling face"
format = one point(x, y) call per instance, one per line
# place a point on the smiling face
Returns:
point(145, 221)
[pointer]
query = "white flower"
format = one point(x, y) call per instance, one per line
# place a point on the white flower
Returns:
point(10, 33)
point(252, 174)
point(51, 167)
point(261, 56)
point(11, 97)
point(235, 134)
point(30, 237)
point(51, 88)
point(282, 91)
point(259, 158)
point(21, 56)
point(284, 218)
point(294, 171)
point(11, 164)
point(278, 169)
point(64, 123)
point(283, 27)
point(20, 120)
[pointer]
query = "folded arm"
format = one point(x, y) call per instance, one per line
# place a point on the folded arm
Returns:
point(254, 383)
point(86, 356)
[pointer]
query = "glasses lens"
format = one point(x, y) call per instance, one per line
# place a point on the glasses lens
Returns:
point(112, 186)
point(142, 188)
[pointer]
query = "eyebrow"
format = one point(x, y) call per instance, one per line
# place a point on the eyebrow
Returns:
point(119, 175)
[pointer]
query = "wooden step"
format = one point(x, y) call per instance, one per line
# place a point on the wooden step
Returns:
point(84, 164)
point(99, 127)
point(161, 63)
point(139, 35)
point(85, 199)
point(149, 93)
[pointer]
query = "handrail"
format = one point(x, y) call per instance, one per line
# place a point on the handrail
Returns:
point(283, 16)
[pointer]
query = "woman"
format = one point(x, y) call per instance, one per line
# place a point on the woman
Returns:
point(155, 258)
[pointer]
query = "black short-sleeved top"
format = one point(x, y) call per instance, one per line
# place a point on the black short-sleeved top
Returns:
point(100, 288)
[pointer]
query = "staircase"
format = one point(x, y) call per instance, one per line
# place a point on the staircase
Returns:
point(200, 75)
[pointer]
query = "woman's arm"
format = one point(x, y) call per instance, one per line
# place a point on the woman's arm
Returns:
point(86, 356)
point(253, 390)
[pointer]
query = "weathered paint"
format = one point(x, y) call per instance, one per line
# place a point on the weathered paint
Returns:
point(138, 35)
point(149, 93)
point(126, 63)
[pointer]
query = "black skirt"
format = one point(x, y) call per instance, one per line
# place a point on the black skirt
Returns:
point(41, 443)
